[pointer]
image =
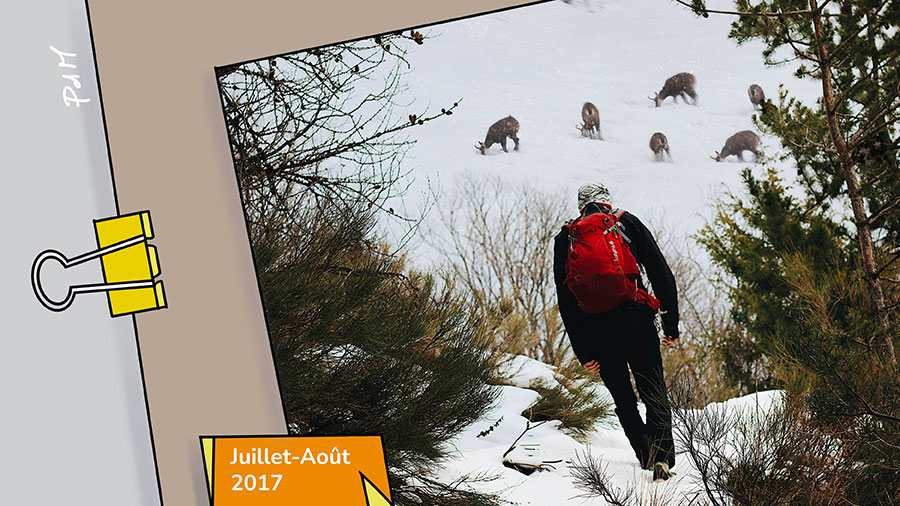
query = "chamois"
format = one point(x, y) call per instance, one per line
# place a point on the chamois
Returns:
point(498, 132)
point(590, 121)
point(757, 96)
point(678, 85)
point(660, 146)
point(737, 144)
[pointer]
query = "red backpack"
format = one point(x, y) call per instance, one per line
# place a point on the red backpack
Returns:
point(601, 272)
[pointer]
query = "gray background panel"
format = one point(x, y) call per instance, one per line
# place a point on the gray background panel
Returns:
point(73, 423)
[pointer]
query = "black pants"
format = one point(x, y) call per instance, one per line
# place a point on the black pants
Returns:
point(626, 339)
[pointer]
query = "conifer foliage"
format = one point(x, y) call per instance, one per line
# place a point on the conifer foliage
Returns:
point(362, 348)
point(814, 277)
point(362, 345)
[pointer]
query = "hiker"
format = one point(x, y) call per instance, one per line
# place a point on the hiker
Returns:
point(610, 318)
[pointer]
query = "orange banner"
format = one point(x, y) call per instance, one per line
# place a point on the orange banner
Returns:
point(296, 470)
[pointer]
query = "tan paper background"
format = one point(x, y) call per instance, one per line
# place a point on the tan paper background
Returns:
point(207, 363)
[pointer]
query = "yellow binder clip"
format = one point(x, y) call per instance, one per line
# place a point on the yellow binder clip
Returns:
point(129, 267)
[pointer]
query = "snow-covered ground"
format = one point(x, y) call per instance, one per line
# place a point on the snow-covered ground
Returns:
point(482, 455)
point(540, 64)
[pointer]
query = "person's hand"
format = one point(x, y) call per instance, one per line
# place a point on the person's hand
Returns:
point(592, 366)
point(668, 341)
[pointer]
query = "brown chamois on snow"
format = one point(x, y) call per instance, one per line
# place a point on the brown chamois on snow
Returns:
point(679, 85)
point(590, 121)
point(738, 143)
point(757, 96)
point(660, 146)
point(498, 132)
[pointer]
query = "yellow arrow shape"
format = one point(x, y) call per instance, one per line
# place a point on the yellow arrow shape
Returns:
point(374, 497)
point(300, 481)
point(207, 447)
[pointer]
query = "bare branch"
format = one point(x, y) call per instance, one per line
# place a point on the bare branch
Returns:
point(798, 12)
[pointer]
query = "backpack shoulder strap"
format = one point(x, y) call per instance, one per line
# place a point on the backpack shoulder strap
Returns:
point(618, 213)
point(567, 227)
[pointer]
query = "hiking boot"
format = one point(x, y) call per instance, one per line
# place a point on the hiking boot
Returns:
point(661, 472)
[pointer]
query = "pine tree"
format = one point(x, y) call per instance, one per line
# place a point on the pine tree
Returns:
point(847, 142)
point(749, 241)
point(815, 277)
point(362, 346)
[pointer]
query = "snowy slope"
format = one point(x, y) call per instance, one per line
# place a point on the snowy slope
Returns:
point(476, 455)
point(541, 63)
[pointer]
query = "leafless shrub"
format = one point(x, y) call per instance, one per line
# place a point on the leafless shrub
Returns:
point(760, 455)
point(499, 245)
point(704, 321)
point(741, 455)
point(321, 125)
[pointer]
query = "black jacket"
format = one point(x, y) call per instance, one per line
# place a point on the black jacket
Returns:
point(647, 254)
